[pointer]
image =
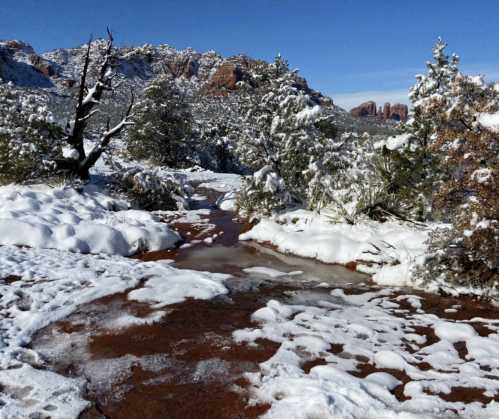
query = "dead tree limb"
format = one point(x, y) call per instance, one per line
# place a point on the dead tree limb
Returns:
point(88, 99)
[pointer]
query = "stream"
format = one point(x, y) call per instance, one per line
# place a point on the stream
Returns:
point(186, 364)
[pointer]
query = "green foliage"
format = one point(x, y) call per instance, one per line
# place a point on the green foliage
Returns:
point(29, 140)
point(465, 181)
point(149, 190)
point(163, 126)
point(282, 140)
point(263, 193)
point(407, 176)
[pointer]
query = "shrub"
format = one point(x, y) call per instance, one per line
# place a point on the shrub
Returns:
point(30, 142)
point(151, 190)
point(162, 126)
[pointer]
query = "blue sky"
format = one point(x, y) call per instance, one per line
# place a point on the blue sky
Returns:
point(353, 50)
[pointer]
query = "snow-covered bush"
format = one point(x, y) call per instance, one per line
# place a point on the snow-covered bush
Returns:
point(30, 142)
point(264, 192)
point(152, 190)
point(218, 125)
point(162, 125)
point(466, 142)
point(281, 141)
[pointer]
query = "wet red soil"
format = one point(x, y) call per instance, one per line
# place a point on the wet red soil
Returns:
point(195, 331)
point(191, 332)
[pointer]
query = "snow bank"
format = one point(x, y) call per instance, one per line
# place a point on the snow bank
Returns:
point(228, 202)
point(395, 142)
point(52, 285)
point(221, 182)
point(369, 328)
point(489, 121)
point(388, 250)
point(86, 222)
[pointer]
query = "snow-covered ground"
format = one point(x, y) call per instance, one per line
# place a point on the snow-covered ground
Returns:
point(87, 221)
point(61, 248)
point(52, 285)
point(387, 250)
point(373, 329)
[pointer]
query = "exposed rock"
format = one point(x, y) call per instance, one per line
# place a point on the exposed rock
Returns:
point(183, 66)
point(16, 45)
point(16, 65)
point(386, 111)
point(399, 112)
point(364, 109)
point(395, 112)
point(42, 65)
point(225, 78)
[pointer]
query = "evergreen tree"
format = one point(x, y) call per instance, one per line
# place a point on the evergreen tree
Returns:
point(162, 125)
point(281, 141)
point(468, 252)
point(409, 169)
point(30, 141)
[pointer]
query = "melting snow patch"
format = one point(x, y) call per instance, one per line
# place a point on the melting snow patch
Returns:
point(52, 285)
point(370, 332)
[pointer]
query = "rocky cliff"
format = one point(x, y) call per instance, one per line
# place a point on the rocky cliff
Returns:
point(389, 112)
point(55, 74)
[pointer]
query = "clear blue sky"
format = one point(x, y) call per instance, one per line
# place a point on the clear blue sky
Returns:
point(352, 50)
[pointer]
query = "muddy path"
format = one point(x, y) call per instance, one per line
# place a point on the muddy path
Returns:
point(185, 364)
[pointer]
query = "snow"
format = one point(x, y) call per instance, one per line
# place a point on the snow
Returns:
point(388, 250)
point(228, 202)
point(179, 285)
point(308, 114)
point(269, 272)
point(454, 332)
point(52, 285)
point(221, 182)
point(38, 393)
point(395, 142)
point(86, 222)
point(370, 329)
point(489, 121)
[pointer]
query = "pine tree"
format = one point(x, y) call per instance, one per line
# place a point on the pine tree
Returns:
point(281, 141)
point(468, 252)
point(162, 125)
point(30, 141)
point(411, 171)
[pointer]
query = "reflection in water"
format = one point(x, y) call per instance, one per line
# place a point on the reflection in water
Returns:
point(234, 259)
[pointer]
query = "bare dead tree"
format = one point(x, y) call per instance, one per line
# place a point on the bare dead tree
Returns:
point(88, 99)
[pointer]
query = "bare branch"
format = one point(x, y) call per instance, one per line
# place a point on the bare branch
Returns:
point(104, 141)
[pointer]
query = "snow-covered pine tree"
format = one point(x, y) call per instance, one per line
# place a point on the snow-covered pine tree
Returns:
point(30, 141)
point(217, 126)
point(281, 141)
point(410, 170)
point(162, 125)
point(467, 142)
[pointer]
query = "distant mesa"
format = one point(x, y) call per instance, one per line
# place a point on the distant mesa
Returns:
point(389, 112)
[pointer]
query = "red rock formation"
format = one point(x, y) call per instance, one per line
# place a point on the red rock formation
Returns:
point(399, 112)
point(42, 65)
point(386, 111)
point(395, 112)
point(365, 109)
point(183, 66)
point(225, 78)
